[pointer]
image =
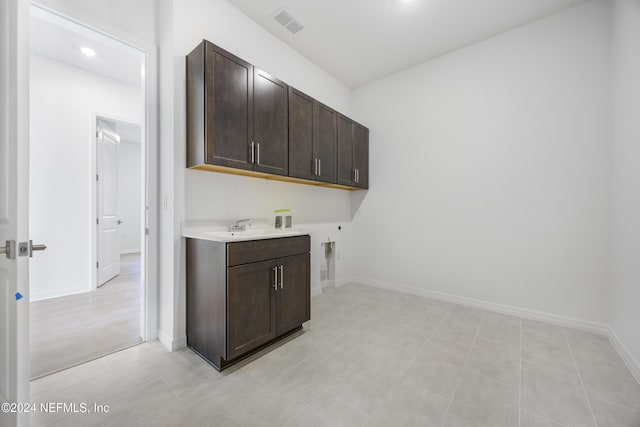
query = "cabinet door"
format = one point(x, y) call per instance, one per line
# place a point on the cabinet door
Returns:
point(229, 83)
point(361, 155)
point(301, 135)
point(293, 294)
point(326, 137)
point(270, 118)
point(250, 307)
point(345, 151)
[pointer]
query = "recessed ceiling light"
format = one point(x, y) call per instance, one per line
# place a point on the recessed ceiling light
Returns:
point(88, 51)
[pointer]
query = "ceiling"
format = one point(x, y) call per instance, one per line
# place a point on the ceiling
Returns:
point(360, 41)
point(61, 40)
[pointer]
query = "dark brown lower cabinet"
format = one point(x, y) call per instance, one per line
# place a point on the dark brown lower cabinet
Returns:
point(250, 307)
point(293, 290)
point(242, 296)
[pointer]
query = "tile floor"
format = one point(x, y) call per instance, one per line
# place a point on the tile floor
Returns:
point(369, 357)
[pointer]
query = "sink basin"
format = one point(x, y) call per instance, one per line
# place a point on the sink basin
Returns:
point(251, 234)
point(231, 234)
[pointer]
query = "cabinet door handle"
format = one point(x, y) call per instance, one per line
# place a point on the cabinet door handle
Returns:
point(281, 276)
point(253, 146)
point(275, 278)
point(315, 166)
point(258, 154)
point(357, 175)
point(319, 167)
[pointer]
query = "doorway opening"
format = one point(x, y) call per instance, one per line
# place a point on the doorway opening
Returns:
point(89, 193)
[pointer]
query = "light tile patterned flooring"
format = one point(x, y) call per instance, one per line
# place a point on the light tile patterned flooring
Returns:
point(369, 357)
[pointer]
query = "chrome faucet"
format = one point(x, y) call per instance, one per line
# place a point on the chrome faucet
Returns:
point(240, 225)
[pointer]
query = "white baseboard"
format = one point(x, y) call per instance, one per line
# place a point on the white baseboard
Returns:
point(570, 322)
point(170, 343)
point(58, 293)
point(628, 358)
point(330, 284)
point(343, 281)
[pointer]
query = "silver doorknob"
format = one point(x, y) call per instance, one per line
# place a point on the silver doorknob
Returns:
point(9, 249)
point(33, 247)
point(120, 222)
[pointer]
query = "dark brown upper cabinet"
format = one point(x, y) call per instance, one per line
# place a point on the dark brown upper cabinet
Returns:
point(270, 118)
point(361, 155)
point(243, 121)
point(236, 114)
point(219, 102)
point(301, 124)
point(353, 153)
point(312, 138)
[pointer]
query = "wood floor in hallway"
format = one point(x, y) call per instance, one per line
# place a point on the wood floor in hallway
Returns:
point(70, 330)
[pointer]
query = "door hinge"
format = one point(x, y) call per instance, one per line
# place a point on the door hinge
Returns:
point(97, 265)
point(97, 221)
point(97, 177)
point(146, 231)
point(97, 134)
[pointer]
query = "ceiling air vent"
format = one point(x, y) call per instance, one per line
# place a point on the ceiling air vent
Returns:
point(286, 19)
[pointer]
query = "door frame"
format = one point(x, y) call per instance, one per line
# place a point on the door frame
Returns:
point(149, 323)
point(14, 109)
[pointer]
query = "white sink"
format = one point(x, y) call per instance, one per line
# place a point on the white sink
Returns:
point(251, 234)
point(230, 234)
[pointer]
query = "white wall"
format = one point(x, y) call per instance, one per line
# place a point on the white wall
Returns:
point(220, 196)
point(625, 312)
point(197, 195)
point(169, 253)
point(129, 195)
point(61, 169)
point(490, 170)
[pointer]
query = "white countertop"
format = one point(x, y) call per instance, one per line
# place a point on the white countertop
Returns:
point(217, 231)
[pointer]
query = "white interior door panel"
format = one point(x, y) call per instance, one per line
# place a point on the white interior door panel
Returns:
point(107, 195)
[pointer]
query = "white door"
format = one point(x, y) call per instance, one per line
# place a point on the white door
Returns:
point(14, 206)
point(108, 143)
